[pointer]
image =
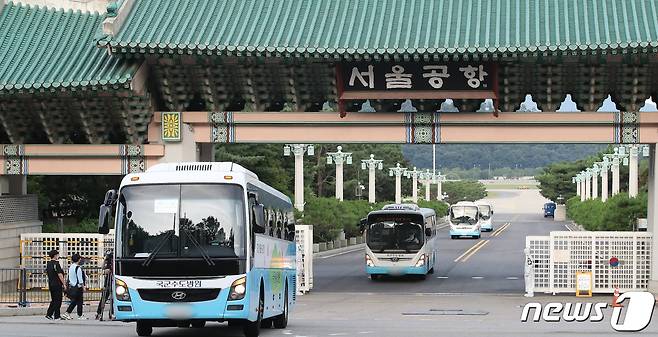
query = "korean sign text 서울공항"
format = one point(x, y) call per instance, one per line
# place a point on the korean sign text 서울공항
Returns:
point(449, 76)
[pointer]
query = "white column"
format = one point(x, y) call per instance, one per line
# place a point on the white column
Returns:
point(578, 186)
point(615, 176)
point(588, 189)
point(339, 180)
point(427, 189)
point(398, 189)
point(652, 216)
point(604, 184)
point(595, 184)
point(371, 184)
point(633, 172)
point(299, 179)
point(439, 189)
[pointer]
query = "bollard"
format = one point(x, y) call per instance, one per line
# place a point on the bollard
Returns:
point(330, 245)
point(322, 246)
point(316, 248)
point(343, 242)
point(22, 289)
point(337, 244)
point(352, 241)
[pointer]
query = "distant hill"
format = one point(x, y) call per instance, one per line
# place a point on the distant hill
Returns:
point(467, 156)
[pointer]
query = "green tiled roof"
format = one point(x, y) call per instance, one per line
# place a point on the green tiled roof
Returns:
point(344, 28)
point(46, 49)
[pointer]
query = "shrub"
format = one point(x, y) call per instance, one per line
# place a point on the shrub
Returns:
point(618, 213)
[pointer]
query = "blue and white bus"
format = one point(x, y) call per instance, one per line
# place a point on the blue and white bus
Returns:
point(400, 241)
point(464, 220)
point(198, 242)
point(486, 216)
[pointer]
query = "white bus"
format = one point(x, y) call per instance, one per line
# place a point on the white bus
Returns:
point(400, 241)
point(464, 220)
point(199, 242)
point(486, 216)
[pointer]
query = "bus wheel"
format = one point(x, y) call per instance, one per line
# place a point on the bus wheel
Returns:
point(252, 329)
point(431, 271)
point(422, 276)
point(453, 237)
point(198, 324)
point(266, 323)
point(374, 277)
point(143, 329)
point(281, 321)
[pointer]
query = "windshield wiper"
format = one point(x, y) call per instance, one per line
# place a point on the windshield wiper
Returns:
point(157, 249)
point(202, 250)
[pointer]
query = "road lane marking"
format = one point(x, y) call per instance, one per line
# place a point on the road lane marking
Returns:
point(484, 243)
point(502, 229)
point(341, 253)
point(469, 250)
point(569, 228)
point(512, 278)
point(477, 277)
point(499, 229)
point(442, 277)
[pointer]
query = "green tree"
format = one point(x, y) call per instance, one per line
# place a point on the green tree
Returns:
point(464, 190)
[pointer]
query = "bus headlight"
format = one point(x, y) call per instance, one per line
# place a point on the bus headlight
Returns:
point(369, 262)
point(421, 261)
point(121, 290)
point(238, 289)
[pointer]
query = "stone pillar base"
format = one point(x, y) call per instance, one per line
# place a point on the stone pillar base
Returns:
point(560, 213)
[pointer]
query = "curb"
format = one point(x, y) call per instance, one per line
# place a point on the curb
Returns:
point(339, 250)
point(39, 311)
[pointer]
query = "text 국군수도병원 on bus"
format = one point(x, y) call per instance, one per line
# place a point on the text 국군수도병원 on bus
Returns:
point(199, 242)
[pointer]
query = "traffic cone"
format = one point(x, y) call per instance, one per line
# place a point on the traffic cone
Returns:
point(615, 296)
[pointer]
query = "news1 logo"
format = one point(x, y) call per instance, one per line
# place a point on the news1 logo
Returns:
point(637, 312)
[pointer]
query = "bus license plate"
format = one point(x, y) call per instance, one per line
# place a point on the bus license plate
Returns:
point(179, 284)
point(178, 311)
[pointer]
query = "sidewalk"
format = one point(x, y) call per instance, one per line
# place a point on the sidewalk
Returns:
point(40, 309)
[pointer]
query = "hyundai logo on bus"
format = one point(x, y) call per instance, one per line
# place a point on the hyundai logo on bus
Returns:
point(638, 312)
point(178, 295)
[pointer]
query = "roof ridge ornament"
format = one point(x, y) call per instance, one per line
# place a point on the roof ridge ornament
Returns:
point(568, 105)
point(448, 106)
point(407, 106)
point(649, 105)
point(528, 105)
point(608, 105)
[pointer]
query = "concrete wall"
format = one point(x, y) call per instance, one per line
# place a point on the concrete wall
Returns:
point(10, 235)
point(83, 5)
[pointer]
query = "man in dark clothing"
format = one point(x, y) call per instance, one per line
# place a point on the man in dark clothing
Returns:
point(56, 285)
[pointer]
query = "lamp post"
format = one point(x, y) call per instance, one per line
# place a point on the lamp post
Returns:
point(604, 166)
point(439, 179)
point(339, 157)
point(298, 151)
point(414, 174)
point(582, 177)
point(633, 171)
point(576, 180)
point(427, 178)
point(397, 171)
point(595, 181)
point(371, 164)
point(588, 183)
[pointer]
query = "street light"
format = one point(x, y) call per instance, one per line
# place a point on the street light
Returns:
point(339, 157)
point(397, 171)
point(371, 164)
point(298, 151)
point(413, 174)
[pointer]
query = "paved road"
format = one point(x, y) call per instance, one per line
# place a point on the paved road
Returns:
point(493, 264)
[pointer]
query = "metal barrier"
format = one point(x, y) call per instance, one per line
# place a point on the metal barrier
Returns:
point(18, 285)
point(559, 256)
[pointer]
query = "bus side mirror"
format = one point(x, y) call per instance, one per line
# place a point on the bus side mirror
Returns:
point(105, 211)
point(259, 218)
point(428, 232)
point(362, 224)
point(104, 219)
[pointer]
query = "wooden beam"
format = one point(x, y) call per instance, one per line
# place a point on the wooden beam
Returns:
point(417, 94)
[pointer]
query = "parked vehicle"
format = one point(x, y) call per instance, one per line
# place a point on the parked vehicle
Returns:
point(549, 209)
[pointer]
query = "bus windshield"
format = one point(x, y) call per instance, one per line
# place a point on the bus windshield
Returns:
point(464, 215)
point(391, 235)
point(485, 211)
point(182, 221)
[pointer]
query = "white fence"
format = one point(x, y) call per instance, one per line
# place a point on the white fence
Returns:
point(34, 250)
point(304, 240)
point(559, 256)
